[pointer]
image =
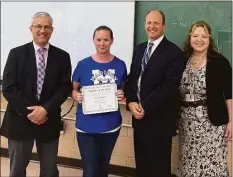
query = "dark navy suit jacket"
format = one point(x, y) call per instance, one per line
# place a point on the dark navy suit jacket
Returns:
point(159, 87)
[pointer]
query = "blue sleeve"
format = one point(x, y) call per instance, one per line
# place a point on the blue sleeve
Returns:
point(77, 73)
point(124, 78)
point(123, 74)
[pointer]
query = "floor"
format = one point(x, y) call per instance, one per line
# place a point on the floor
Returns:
point(33, 170)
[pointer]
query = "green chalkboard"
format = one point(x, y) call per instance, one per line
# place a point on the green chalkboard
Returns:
point(181, 15)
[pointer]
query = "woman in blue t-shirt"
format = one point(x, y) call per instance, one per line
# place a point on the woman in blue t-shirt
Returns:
point(97, 133)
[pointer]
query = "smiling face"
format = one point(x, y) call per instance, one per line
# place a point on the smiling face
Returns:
point(199, 40)
point(102, 41)
point(154, 25)
point(41, 30)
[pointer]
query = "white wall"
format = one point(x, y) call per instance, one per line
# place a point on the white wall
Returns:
point(74, 24)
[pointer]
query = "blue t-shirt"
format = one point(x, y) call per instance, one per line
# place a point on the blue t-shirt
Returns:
point(89, 72)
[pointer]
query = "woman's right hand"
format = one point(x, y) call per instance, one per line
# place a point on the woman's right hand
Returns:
point(77, 96)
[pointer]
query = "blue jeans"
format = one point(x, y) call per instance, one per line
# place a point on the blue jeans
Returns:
point(96, 151)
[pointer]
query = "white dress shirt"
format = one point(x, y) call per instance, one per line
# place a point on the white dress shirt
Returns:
point(156, 43)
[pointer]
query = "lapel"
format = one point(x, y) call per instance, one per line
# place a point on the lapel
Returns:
point(32, 68)
point(155, 54)
point(140, 56)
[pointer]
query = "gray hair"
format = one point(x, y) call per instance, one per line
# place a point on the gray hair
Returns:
point(42, 14)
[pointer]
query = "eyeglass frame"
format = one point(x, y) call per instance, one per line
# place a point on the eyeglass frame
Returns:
point(40, 27)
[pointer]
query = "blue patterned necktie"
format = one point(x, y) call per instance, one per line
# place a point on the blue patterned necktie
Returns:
point(147, 53)
point(40, 71)
point(145, 60)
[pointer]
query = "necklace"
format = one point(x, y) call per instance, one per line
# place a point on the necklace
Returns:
point(196, 63)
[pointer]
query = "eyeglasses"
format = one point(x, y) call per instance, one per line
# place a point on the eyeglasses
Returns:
point(46, 28)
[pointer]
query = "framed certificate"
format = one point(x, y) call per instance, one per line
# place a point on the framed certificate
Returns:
point(99, 99)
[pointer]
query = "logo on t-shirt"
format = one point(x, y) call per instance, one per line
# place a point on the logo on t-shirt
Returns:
point(103, 77)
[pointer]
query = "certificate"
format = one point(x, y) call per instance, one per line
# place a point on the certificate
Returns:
point(99, 99)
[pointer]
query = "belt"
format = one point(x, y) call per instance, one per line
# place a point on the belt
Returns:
point(194, 103)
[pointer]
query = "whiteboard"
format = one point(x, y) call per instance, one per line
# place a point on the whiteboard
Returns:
point(74, 24)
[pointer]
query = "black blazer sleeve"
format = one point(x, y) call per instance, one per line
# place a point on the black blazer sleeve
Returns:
point(64, 86)
point(10, 87)
point(219, 88)
point(130, 87)
point(227, 79)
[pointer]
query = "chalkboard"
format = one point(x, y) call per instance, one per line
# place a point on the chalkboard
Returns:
point(181, 15)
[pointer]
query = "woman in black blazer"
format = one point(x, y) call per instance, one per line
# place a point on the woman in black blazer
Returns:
point(205, 124)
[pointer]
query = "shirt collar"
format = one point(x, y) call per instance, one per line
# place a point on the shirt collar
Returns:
point(36, 47)
point(157, 41)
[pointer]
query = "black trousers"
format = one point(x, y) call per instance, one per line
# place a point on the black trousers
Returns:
point(152, 154)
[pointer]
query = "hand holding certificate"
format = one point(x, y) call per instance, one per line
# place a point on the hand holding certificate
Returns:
point(99, 98)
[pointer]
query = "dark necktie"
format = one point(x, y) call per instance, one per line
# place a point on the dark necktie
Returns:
point(145, 60)
point(40, 71)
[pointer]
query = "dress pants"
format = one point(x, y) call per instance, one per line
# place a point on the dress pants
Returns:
point(152, 154)
point(20, 154)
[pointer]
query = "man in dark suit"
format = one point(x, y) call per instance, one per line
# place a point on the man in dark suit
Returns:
point(36, 81)
point(153, 98)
